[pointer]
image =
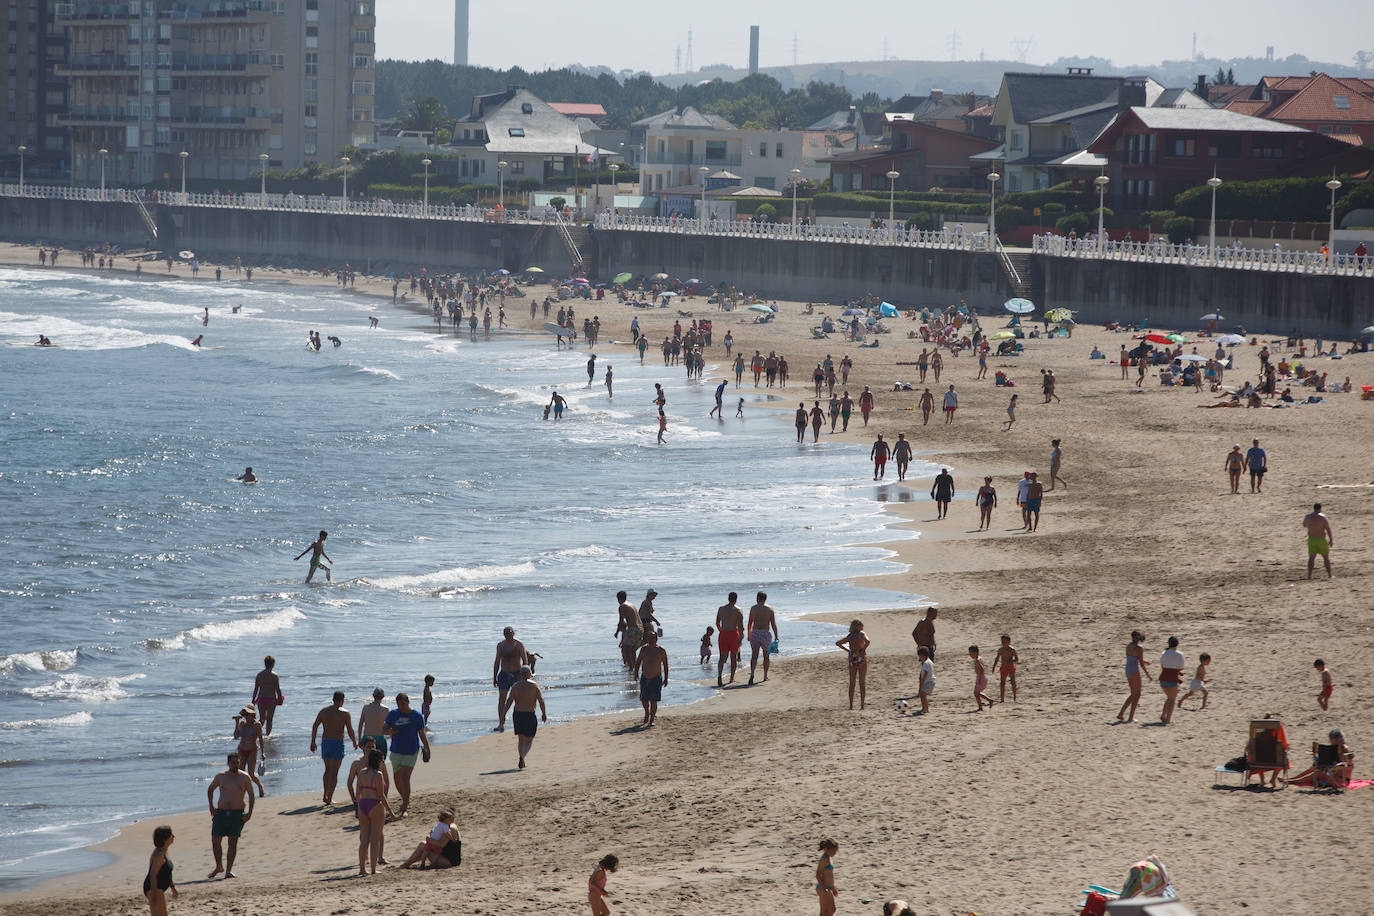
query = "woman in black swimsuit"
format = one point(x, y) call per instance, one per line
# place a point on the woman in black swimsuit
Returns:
point(159, 878)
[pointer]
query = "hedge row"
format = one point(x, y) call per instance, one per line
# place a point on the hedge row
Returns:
point(1295, 200)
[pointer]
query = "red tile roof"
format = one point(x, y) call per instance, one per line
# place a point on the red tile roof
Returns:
point(1247, 107)
point(579, 109)
point(1352, 139)
point(1316, 102)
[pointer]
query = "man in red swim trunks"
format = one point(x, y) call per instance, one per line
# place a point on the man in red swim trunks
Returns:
point(730, 626)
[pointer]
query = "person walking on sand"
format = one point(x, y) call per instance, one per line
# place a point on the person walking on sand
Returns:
point(834, 411)
point(856, 643)
point(1171, 665)
point(763, 632)
point(901, 453)
point(317, 558)
point(937, 363)
point(651, 667)
point(980, 679)
point(987, 501)
point(1124, 360)
point(927, 404)
point(505, 671)
point(267, 695)
point(1135, 669)
point(1007, 660)
point(1011, 414)
point(879, 455)
point(372, 721)
point(923, 634)
point(825, 877)
point(942, 491)
point(1035, 494)
point(406, 729)
point(596, 885)
point(369, 786)
point(927, 679)
point(1328, 684)
point(228, 816)
point(159, 881)
point(1235, 463)
point(846, 410)
point(1257, 463)
point(866, 403)
point(951, 405)
point(1056, 461)
point(524, 696)
point(1320, 540)
point(730, 633)
point(335, 721)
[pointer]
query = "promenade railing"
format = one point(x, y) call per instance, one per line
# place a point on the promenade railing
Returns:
point(898, 236)
point(1159, 251)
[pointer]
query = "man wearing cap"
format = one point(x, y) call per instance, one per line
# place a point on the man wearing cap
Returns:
point(646, 613)
point(505, 671)
point(524, 696)
point(406, 729)
point(372, 721)
point(334, 719)
point(651, 667)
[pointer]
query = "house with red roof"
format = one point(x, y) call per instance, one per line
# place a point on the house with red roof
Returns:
point(1341, 107)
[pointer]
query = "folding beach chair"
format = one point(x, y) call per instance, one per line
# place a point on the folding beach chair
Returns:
point(1267, 750)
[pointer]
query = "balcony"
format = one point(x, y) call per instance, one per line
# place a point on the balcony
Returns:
point(712, 161)
point(225, 11)
point(85, 65)
point(88, 115)
point(254, 64)
point(220, 117)
point(78, 13)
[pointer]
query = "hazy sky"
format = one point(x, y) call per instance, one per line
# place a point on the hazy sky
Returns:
point(538, 34)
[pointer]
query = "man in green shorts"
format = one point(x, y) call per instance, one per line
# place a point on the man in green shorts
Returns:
point(1320, 540)
point(317, 558)
point(228, 817)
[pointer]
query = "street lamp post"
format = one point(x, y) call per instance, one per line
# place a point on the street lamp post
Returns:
point(704, 172)
point(796, 180)
point(345, 160)
point(614, 167)
point(103, 153)
point(501, 186)
point(1333, 186)
point(25, 149)
point(184, 156)
point(426, 162)
point(892, 177)
point(1101, 182)
point(993, 178)
point(1214, 182)
point(262, 160)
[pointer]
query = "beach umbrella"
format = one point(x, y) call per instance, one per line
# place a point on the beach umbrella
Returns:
point(1211, 316)
point(1060, 314)
point(1230, 340)
point(660, 276)
point(1158, 338)
point(1193, 358)
point(625, 277)
point(1019, 306)
point(186, 255)
point(1368, 330)
point(1176, 338)
point(887, 310)
point(668, 295)
point(850, 313)
point(760, 308)
point(693, 281)
point(581, 281)
point(502, 272)
point(534, 270)
point(1001, 335)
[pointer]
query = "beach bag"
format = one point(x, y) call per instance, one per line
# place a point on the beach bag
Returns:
point(1094, 905)
point(773, 649)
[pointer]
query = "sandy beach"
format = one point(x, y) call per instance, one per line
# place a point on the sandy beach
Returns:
point(1008, 811)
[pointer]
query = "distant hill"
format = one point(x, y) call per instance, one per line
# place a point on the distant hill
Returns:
point(895, 78)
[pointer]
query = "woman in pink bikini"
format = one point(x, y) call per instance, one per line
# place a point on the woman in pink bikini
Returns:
point(596, 886)
point(369, 786)
point(856, 643)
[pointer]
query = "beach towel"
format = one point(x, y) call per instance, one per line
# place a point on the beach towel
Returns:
point(1148, 878)
point(1359, 784)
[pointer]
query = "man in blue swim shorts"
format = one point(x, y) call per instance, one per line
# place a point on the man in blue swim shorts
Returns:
point(651, 667)
point(1035, 492)
point(335, 721)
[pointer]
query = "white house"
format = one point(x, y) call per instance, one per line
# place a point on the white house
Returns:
point(528, 134)
point(677, 149)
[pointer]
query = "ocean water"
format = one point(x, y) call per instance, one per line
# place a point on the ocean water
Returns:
point(140, 586)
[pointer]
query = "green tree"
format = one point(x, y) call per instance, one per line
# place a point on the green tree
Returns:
point(426, 113)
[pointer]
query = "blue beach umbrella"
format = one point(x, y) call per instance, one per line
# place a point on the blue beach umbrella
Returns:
point(1019, 306)
point(887, 310)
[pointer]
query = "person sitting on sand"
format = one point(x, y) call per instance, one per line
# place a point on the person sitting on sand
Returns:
point(1337, 776)
point(442, 848)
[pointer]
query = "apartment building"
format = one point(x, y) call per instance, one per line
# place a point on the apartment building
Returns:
point(224, 81)
point(32, 96)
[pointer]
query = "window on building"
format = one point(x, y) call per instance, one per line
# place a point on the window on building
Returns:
point(715, 150)
point(517, 166)
point(763, 150)
point(362, 114)
point(517, 131)
point(1018, 139)
point(311, 144)
point(1266, 149)
point(362, 36)
point(312, 64)
point(312, 36)
point(362, 88)
point(1223, 148)
point(362, 62)
point(777, 152)
point(767, 182)
point(278, 61)
point(1184, 147)
point(1342, 102)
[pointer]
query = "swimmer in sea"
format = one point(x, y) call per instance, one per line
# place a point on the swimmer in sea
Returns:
point(335, 341)
point(316, 550)
point(248, 476)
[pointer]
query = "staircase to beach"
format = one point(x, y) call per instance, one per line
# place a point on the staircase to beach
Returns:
point(1016, 270)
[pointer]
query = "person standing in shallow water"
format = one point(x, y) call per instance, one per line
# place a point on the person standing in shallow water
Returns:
point(317, 558)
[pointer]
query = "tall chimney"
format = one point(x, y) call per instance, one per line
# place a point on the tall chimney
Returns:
point(460, 32)
point(753, 50)
point(1202, 85)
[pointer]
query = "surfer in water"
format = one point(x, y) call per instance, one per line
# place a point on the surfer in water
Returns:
point(335, 341)
point(317, 558)
point(248, 476)
point(43, 341)
point(196, 342)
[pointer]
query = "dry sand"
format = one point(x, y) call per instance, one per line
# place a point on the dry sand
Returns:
point(1012, 811)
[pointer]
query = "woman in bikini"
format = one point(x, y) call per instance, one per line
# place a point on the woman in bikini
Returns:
point(1135, 665)
point(825, 876)
point(596, 885)
point(369, 786)
point(856, 643)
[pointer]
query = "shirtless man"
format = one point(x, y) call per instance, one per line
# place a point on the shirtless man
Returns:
point(628, 629)
point(763, 629)
point(267, 695)
point(524, 696)
point(901, 452)
point(1035, 492)
point(924, 632)
point(730, 627)
point(1320, 540)
point(334, 719)
point(228, 817)
point(505, 671)
point(927, 405)
point(651, 667)
point(317, 556)
point(372, 722)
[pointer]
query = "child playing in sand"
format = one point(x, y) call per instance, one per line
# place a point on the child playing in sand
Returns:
point(1199, 682)
point(1006, 659)
point(927, 679)
point(596, 885)
point(442, 848)
point(706, 645)
point(1324, 698)
point(980, 679)
point(427, 699)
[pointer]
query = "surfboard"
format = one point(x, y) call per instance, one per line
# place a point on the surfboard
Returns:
point(211, 348)
point(560, 331)
point(21, 343)
point(312, 348)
